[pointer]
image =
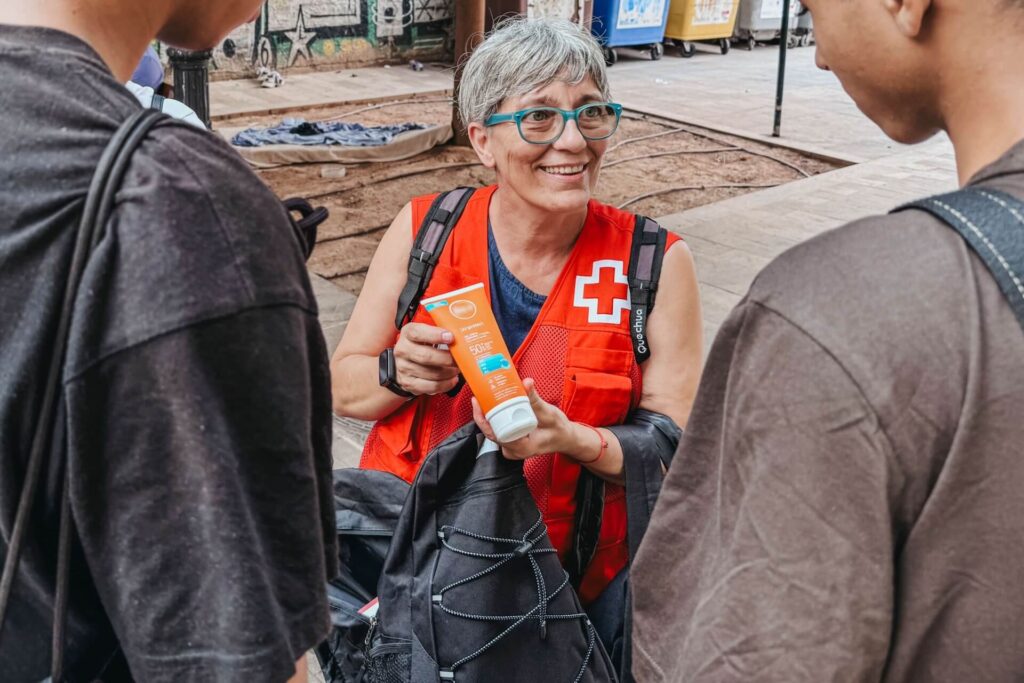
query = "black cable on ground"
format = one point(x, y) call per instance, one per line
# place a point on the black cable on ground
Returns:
point(358, 233)
point(628, 141)
point(335, 276)
point(387, 104)
point(682, 188)
point(396, 176)
point(666, 154)
point(712, 138)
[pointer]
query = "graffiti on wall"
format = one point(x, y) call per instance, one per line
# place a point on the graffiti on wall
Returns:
point(291, 33)
point(554, 9)
point(558, 9)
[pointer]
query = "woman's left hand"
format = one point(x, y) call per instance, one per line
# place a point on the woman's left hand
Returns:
point(553, 433)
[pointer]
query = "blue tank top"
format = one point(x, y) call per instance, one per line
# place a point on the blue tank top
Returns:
point(515, 307)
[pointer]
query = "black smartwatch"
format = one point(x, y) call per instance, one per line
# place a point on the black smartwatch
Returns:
point(388, 375)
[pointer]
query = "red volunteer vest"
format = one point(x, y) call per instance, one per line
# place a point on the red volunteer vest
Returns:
point(579, 352)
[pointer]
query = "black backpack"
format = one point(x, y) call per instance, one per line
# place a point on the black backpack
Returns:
point(368, 504)
point(471, 588)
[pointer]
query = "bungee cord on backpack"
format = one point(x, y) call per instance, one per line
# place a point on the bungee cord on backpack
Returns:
point(524, 547)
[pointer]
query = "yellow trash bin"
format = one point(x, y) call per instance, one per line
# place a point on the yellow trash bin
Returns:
point(693, 20)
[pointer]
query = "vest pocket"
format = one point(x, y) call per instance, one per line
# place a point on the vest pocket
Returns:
point(600, 360)
point(398, 434)
point(394, 430)
point(598, 399)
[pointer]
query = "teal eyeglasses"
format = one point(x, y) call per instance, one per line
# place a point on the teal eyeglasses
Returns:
point(544, 125)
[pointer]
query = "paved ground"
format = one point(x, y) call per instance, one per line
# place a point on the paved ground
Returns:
point(732, 240)
point(335, 307)
point(737, 91)
point(232, 98)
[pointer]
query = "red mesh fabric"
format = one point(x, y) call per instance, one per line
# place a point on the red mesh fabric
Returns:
point(636, 377)
point(544, 361)
point(448, 415)
point(370, 445)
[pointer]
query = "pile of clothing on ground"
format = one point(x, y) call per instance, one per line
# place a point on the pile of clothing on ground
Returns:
point(296, 131)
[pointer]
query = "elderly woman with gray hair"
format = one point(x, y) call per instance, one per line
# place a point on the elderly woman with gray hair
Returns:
point(556, 266)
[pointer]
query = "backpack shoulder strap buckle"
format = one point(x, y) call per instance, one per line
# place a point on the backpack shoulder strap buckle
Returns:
point(645, 259)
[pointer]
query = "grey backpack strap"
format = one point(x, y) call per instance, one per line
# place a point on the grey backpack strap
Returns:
point(644, 271)
point(157, 102)
point(992, 223)
point(430, 239)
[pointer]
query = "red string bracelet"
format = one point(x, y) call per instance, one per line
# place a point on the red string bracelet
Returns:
point(604, 446)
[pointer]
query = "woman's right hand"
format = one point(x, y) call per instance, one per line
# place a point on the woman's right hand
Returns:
point(421, 368)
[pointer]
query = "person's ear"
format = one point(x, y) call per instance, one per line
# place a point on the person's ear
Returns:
point(909, 15)
point(480, 138)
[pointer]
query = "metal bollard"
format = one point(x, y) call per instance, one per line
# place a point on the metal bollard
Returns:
point(192, 80)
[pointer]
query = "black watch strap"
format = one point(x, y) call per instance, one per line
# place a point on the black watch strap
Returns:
point(388, 375)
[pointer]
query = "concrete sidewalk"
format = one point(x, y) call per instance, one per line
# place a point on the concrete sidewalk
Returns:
point(242, 97)
point(732, 240)
point(736, 93)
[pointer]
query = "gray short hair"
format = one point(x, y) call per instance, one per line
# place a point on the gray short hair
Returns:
point(521, 55)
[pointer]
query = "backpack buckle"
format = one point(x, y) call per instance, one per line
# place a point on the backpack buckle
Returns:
point(642, 293)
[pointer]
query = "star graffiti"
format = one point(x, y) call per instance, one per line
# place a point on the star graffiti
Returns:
point(425, 11)
point(300, 37)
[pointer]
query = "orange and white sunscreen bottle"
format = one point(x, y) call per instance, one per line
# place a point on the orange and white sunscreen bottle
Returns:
point(482, 356)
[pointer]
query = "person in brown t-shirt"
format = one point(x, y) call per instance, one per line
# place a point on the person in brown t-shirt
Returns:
point(848, 501)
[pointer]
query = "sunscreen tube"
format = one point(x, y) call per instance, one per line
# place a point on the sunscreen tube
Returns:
point(482, 356)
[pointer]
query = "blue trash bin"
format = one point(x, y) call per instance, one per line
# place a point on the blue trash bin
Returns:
point(630, 23)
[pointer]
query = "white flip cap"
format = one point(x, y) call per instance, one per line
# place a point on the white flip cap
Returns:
point(512, 419)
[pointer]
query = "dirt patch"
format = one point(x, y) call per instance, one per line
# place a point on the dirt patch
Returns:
point(654, 167)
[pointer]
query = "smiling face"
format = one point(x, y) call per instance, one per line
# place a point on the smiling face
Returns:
point(559, 177)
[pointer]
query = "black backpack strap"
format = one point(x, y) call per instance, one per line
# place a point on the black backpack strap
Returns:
point(645, 259)
point(99, 204)
point(992, 223)
point(430, 239)
point(307, 223)
point(587, 521)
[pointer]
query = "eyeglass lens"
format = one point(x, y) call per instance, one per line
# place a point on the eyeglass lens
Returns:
point(595, 121)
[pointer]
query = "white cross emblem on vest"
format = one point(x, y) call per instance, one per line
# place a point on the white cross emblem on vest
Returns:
point(593, 304)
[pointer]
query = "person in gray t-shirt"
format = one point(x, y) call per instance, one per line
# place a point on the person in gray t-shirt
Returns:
point(848, 501)
point(196, 391)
